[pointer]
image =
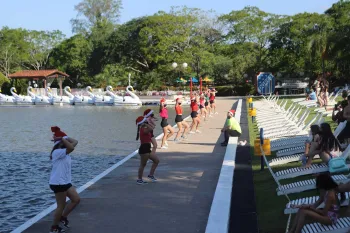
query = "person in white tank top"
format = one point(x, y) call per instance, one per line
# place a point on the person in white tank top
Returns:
point(61, 182)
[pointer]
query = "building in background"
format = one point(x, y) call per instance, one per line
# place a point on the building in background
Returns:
point(290, 86)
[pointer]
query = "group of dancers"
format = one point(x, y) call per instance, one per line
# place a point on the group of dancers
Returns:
point(60, 178)
point(203, 102)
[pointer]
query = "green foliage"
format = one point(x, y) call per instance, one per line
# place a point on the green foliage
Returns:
point(224, 48)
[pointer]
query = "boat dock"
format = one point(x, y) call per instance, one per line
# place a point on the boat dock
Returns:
point(193, 192)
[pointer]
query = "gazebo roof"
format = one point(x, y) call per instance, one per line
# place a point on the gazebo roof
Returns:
point(40, 74)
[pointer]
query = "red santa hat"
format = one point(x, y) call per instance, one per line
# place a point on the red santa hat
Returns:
point(162, 100)
point(148, 113)
point(140, 120)
point(232, 112)
point(57, 131)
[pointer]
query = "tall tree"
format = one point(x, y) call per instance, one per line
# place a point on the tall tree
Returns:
point(96, 12)
point(13, 47)
point(41, 43)
point(252, 25)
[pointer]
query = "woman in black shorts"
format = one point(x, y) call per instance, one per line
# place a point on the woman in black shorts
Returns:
point(144, 133)
point(61, 182)
point(202, 106)
point(163, 112)
point(179, 121)
point(194, 114)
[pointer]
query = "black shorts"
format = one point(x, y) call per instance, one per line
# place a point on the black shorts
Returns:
point(206, 103)
point(201, 106)
point(178, 118)
point(145, 148)
point(194, 114)
point(212, 101)
point(60, 188)
point(164, 123)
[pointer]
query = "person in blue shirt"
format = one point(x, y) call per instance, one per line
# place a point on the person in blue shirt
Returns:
point(312, 95)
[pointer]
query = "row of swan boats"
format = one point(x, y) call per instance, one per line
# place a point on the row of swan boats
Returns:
point(131, 99)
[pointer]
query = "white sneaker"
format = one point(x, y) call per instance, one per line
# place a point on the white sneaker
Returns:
point(166, 143)
point(216, 113)
point(197, 131)
point(191, 132)
point(164, 147)
point(211, 115)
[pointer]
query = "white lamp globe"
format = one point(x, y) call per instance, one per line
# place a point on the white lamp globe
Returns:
point(49, 84)
point(301, 73)
point(35, 85)
point(184, 65)
point(79, 84)
point(174, 65)
point(245, 76)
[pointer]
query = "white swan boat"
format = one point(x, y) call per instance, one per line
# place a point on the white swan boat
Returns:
point(84, 100)
point(6, 100)
point(38, 100)
point(131, 100)
point(69, 99)
point(21, 99)
point(99, 100)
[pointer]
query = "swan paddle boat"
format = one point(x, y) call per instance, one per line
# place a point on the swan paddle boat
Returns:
point(99, 100)
point(69, 99)
point(37, 99)
point(21, 99)
point(132, 99)
point(84, 100)
point(6, 100)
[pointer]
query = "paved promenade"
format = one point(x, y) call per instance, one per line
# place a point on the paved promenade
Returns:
point(179, 202)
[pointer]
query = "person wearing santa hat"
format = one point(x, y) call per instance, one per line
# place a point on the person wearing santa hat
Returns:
point(145, 151)
point(61, 179)
point(168, 131)
point(206, 103)
point(179, 120)
point(231, 128)
point(194, 114)
point(212, 100)
point(149, 115)
point(202, 107)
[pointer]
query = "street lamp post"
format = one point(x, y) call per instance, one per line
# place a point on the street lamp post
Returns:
point(184, 66)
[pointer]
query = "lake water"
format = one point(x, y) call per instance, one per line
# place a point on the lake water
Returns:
point(105, 135)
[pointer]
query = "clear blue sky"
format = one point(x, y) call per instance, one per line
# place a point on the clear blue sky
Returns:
point(56, 14)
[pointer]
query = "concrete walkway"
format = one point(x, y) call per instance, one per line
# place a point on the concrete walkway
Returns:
point(179, 202)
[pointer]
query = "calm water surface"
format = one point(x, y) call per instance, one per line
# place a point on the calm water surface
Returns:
point(105, 134)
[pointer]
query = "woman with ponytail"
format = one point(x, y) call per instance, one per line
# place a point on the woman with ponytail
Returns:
point(168, 131)
point(144, 133)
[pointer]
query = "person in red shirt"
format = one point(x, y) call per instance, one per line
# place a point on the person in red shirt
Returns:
point(145, 152)
point(179, 120)
point(212, 100)
point(202, 107)
point(168, 131)
point(194, 114)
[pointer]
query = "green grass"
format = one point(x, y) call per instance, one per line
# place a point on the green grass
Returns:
point(270, 207)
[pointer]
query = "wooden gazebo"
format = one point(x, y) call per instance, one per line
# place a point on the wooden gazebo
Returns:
point(41, 75)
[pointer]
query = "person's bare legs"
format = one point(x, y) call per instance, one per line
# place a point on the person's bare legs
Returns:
point(74, 201)
point(143, 162)
point(165, 134)
point(198, 120)
point(155, 160)
point(193, 124)
point(295, 222)
point(179, 126)
point(311, 215)
point(171, 132)
point(61, 203)
point(186, 126)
